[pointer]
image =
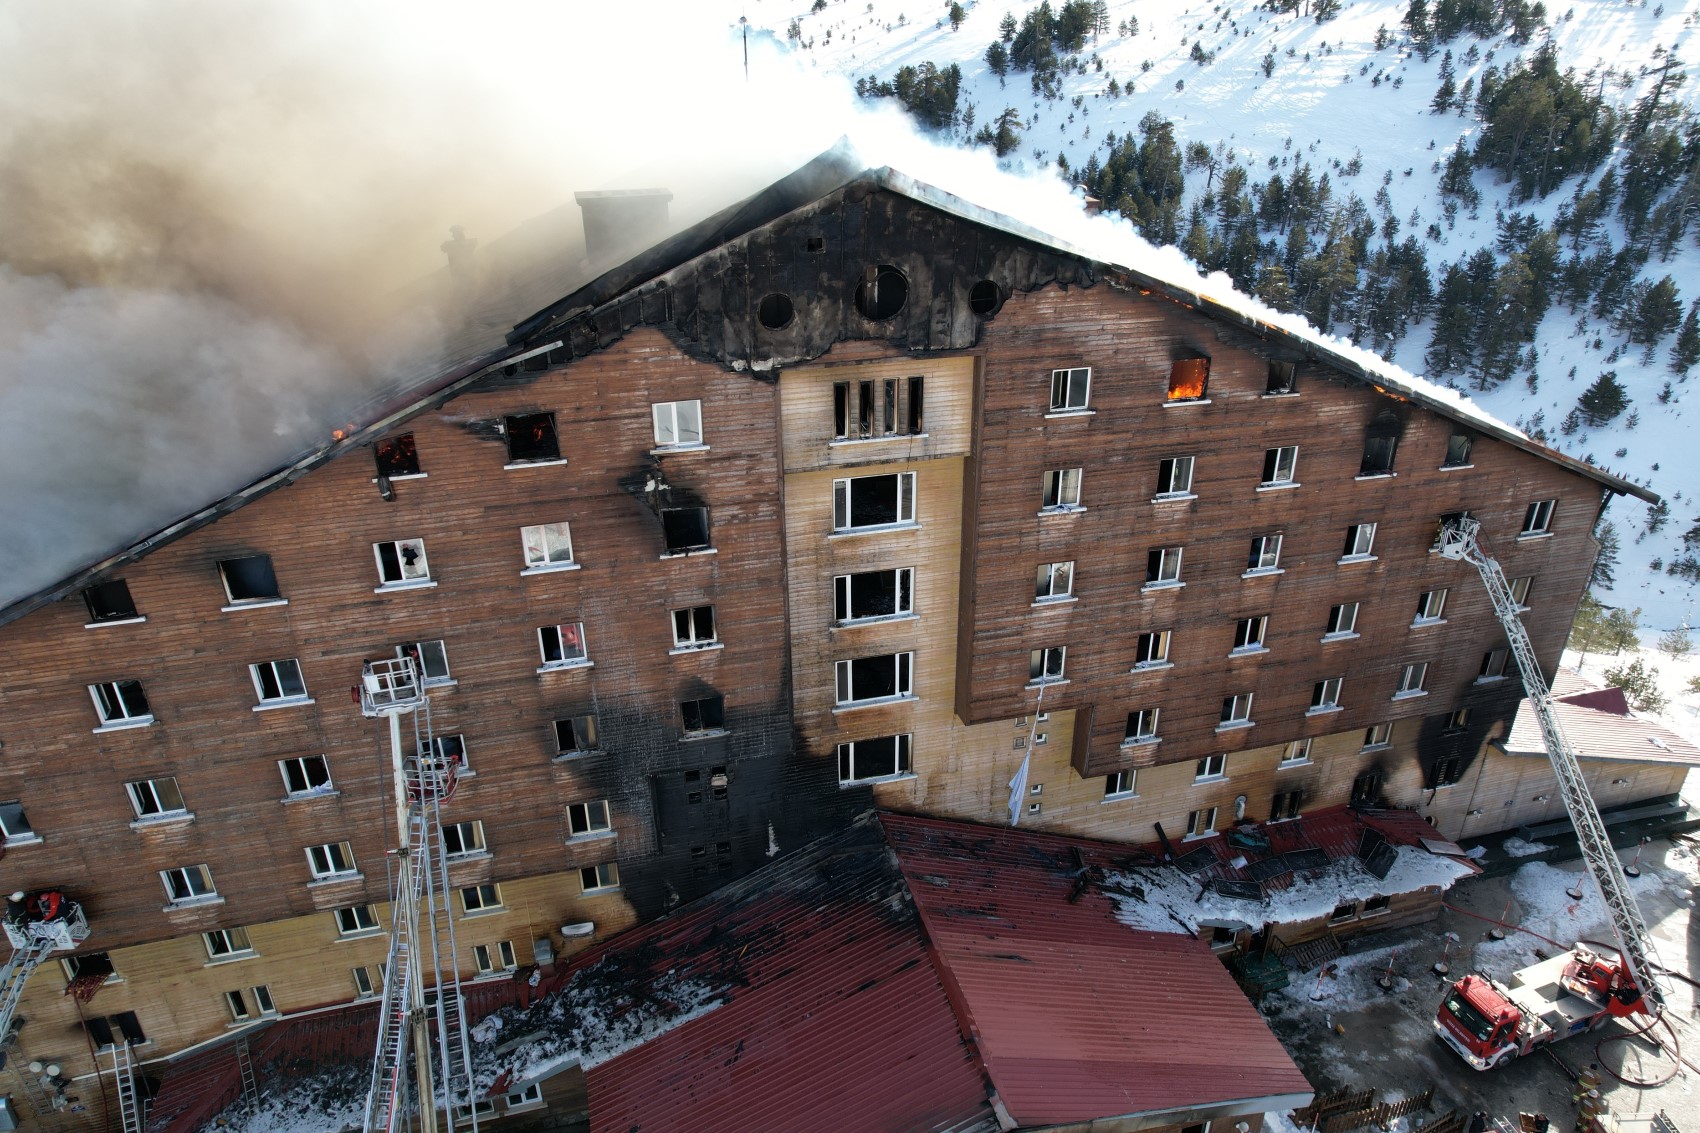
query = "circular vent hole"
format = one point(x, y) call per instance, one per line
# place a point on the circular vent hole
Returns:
point(882, 292)
point(775, 311)
point(985, 297)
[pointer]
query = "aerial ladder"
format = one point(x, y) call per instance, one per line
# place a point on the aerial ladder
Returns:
point(1489, 1023)
point(38, 925)
point(417, 1021)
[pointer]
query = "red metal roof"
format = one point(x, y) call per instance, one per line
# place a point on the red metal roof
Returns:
point(1077, 1016)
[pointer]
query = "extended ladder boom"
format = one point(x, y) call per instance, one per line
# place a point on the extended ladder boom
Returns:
point(34, 938)
point(1459, 540)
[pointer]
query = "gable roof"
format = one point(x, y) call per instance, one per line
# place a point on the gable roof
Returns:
point(1599, 724)
point(542, 321)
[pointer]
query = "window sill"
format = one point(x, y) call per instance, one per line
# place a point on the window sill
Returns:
point(406, 584)
point(1324, 710)
point(192, 904)
point(566, 666)
point(1284, 764)
point(233, 958)
point(1369, 914)
point(1263, 572)
point(1177, 402)
point(253, 604)
point(549, 568)
point(22, 840)
point(1050, 682)
point(493, 910)
point(1248, 650)
point(1348, 560)
point(1277, 485)
point(900, 777)
point(1235, 725)
point(1151, 666)
point(1489, 680)
point(570, 756)
point(688, 553)
point(126, 725)
point(1132, 742)
point(872, 529)
point(524, 1107)
point(309, 796)
point(1424, 623)
point(848, 442)
point(1532, 536)
point(392, 478)
point(706, 734)
point(602, 891)
point(704, 647)
point(1200, 780)
point(876, 620)
point(880, 703)
point(117, 622)
point(453, 860)
point(335, 879)
point(515, 464)
point(292, 702)
point(1119, 796)
point(1347, 635)
point(1174, 584)
point(1413, 694)
point(1266, 394)
point(1173, 497)
point(1375, 476)
point(1050, 603)
point(1061, 509)
point(1063, 414)
point(362, 934)
point(1199, 837)
point(1374, 747)
point(441, 682)
point(592, 836)
point(157, 821)
point(492, 977)
point(673, 450)
point(1456, 467)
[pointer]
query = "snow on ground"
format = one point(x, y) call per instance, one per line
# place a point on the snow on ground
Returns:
point(1172, 902)
point(1517, 848)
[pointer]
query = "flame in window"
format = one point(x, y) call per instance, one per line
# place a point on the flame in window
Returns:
point(1187, 378)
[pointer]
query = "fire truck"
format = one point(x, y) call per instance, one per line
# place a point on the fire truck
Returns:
point(1487, 1022)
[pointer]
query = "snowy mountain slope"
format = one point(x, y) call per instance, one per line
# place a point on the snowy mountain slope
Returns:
point(1321, 103)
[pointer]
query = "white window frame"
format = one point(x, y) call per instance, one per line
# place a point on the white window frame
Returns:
point(364, 986)
point(1264, 556)
point(521, 1100)
point(486, 960)
point(475, 848)
point(15, 828)
point(1160, 641)
point(331, 861)
point(275, 669)
point(1295, 754)
point(691, 637)
point(1236, 711)
point(1211, 769)
point(1046, 585)
point(1378, 736)
point(1360, 543)
point(1121, 784)
point(235, 603)
point(902, 746)
point(844, 681)
point(588, 819)
point(1537, 520)
point(1168, 567)
point(1174, 478)
point(265, 1005)
point(843, 490)
point(1249, 634)
point(144, 793)
point(547, 547)
point(1342, 622)
point(432, 657)
point(478, 906)
point(678, 425)
point(1412, 678)
point(400, 575)
point(1042, 660)
point(605, 878)
point(348, 920)
point(560, 635)
point(843, 597)
point(1325, 696)
point(1142, 727)
point(1059, 490)
point(195, 883)
point(112, 710)
point(1431, 608)
point(299, 764)
point(1201, 823)
point(1071, 389)
point(227, 944)
point(1281, 465)
point(1494, 663)
point(1519, 589)
point(589, 742)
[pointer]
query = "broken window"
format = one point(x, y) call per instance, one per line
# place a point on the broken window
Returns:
point(1188, 378)
point(1279, 466)
point(356, 919)
point(1381, 441)
point(678, 424)
point(493, 959)
point(588, 819)
point(226, 942)
point(575, 735)
point(1456, 721)
point(562, 645)
point(1431, 606)
point(1378, 735)
point(1174, 477)
point(156, 798)
point(330, 859)
point(1538, 519)
point(1163, 566)
point(188, 884)
point(1211, 767)
point(1493, 664)
point(1446, 771)
point(1054, 581)
point(1248, 633)
point(1296, 751)
point(1520, 590)
point(873, 594)
point(305, 775)
point(693, 627)
point(1283, 377)
point(110, 602)
point(1201, 822)
point(547, 546)
point(1366, 789)
point(1119, 784)
point(1458, 447)
point(1285, 805)
point(881, 292)
point(596, 878)
point(481, 898)
point(101, 1031)
point(279, 682)
point(260, 997)
point(249, 579)
point(121, 704)
point(706, 716)
point(1342, 620)
point(531, 438)
point(1265, 555)
point(1411, 679)
point(1141, 726)
point(1325, 694)
point(865, 679)
point(865, 760)
point(401, 563)
point(397, 456)
point(463, 839)
point(14, 825)
point(430, 660)
point(1152, 649)
point(1343, 912)
point(1236, 711)
point(1375, 906)
point(685, 529)
point(1070, 389)
point(1045, 666)
point(368, 982)
point(450, 749)
point(873, 501)
point(916, 417)
point(1060, 489)
point(1360, 540)
point(1450, 519)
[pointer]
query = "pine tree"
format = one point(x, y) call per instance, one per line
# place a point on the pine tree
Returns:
point(1640, 683)
point(1686, 350)
point(1603, 400)
point(1657, 516)
point(1588, 631)
point(1657, 314)
point(1417, 26)
point(1677, 641)
point(1006, 28)
point(1622, 630)
point(1604, 573)
point(957, 15)
point(997, 58)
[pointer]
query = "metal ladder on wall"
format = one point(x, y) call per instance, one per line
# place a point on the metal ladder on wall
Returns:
point(245, 1061)
point(129, 1103)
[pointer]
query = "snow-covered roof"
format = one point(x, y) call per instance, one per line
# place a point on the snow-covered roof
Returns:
point(1599, 724)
